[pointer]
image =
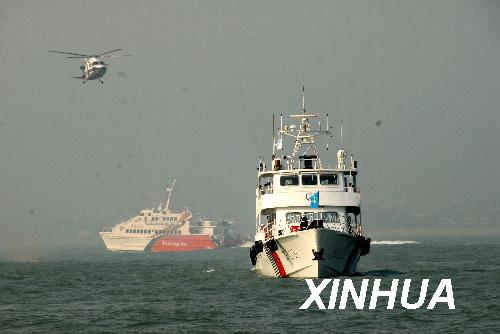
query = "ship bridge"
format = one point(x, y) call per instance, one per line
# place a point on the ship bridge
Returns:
point(289, 188)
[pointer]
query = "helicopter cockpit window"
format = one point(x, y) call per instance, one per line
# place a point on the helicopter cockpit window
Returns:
point(95, 63)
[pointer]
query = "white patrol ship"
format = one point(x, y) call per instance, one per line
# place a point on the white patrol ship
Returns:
point(308, 217)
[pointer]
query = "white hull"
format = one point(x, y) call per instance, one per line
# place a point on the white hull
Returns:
point(295, 258)
point(124, 243)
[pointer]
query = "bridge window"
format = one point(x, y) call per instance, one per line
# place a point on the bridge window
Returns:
point(309, 179)
point(289, 180)
point(328, 179)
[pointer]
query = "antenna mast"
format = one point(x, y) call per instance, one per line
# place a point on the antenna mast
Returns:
point(341, 145)
point(274, 144)
point(303, 101)
point(170, 190)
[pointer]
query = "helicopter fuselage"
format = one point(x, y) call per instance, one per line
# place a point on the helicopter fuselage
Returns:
point(93, 68)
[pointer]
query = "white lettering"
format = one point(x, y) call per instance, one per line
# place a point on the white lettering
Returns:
point(349, 288)
point(315, 291)
point(406, 290)
point(377, 293)
point(333, 294)
point(359, 299)
point(436, 298)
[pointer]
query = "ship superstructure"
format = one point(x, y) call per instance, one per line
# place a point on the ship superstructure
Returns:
point(308, 216)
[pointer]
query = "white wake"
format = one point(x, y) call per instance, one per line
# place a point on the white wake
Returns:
point(394, 242)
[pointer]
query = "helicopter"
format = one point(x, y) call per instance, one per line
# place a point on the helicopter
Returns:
point(93, 68)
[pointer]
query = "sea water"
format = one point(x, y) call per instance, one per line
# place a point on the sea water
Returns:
point(217, 291)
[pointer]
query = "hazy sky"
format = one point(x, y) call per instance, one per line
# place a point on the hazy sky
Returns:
point(195, 103)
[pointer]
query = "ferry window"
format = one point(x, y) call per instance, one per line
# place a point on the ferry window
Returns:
point(309, 179)
point(290, 180)
point(327, 179)
point(329, 217)
point(175, 218)
point(309, 215)
point(293, 217)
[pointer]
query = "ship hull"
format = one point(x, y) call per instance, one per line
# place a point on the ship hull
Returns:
point(181, 243)
point(163, 243)
point(314, 253)
point(123, 243)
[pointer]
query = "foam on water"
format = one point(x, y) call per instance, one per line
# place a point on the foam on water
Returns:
point(394, 242)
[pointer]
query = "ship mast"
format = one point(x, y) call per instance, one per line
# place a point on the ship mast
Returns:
point(169, 190)
point(304, 135)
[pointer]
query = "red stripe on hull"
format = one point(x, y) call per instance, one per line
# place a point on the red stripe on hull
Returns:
point(277, 260)
point(182, 243)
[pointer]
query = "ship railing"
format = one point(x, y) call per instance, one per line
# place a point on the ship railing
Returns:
point(351, 189)
point(266, 190)
point(105, 229)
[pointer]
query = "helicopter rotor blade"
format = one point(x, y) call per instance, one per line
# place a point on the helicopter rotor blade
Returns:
point(102, 54)
point(70, 53)
point(115, 56)
point(80, 57)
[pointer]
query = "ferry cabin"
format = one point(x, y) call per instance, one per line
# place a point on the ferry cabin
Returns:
point(283, 199)
point(151, 222)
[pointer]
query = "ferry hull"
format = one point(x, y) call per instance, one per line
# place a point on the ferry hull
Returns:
point(123, 243)
point(314, 253)
point(181, 243)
